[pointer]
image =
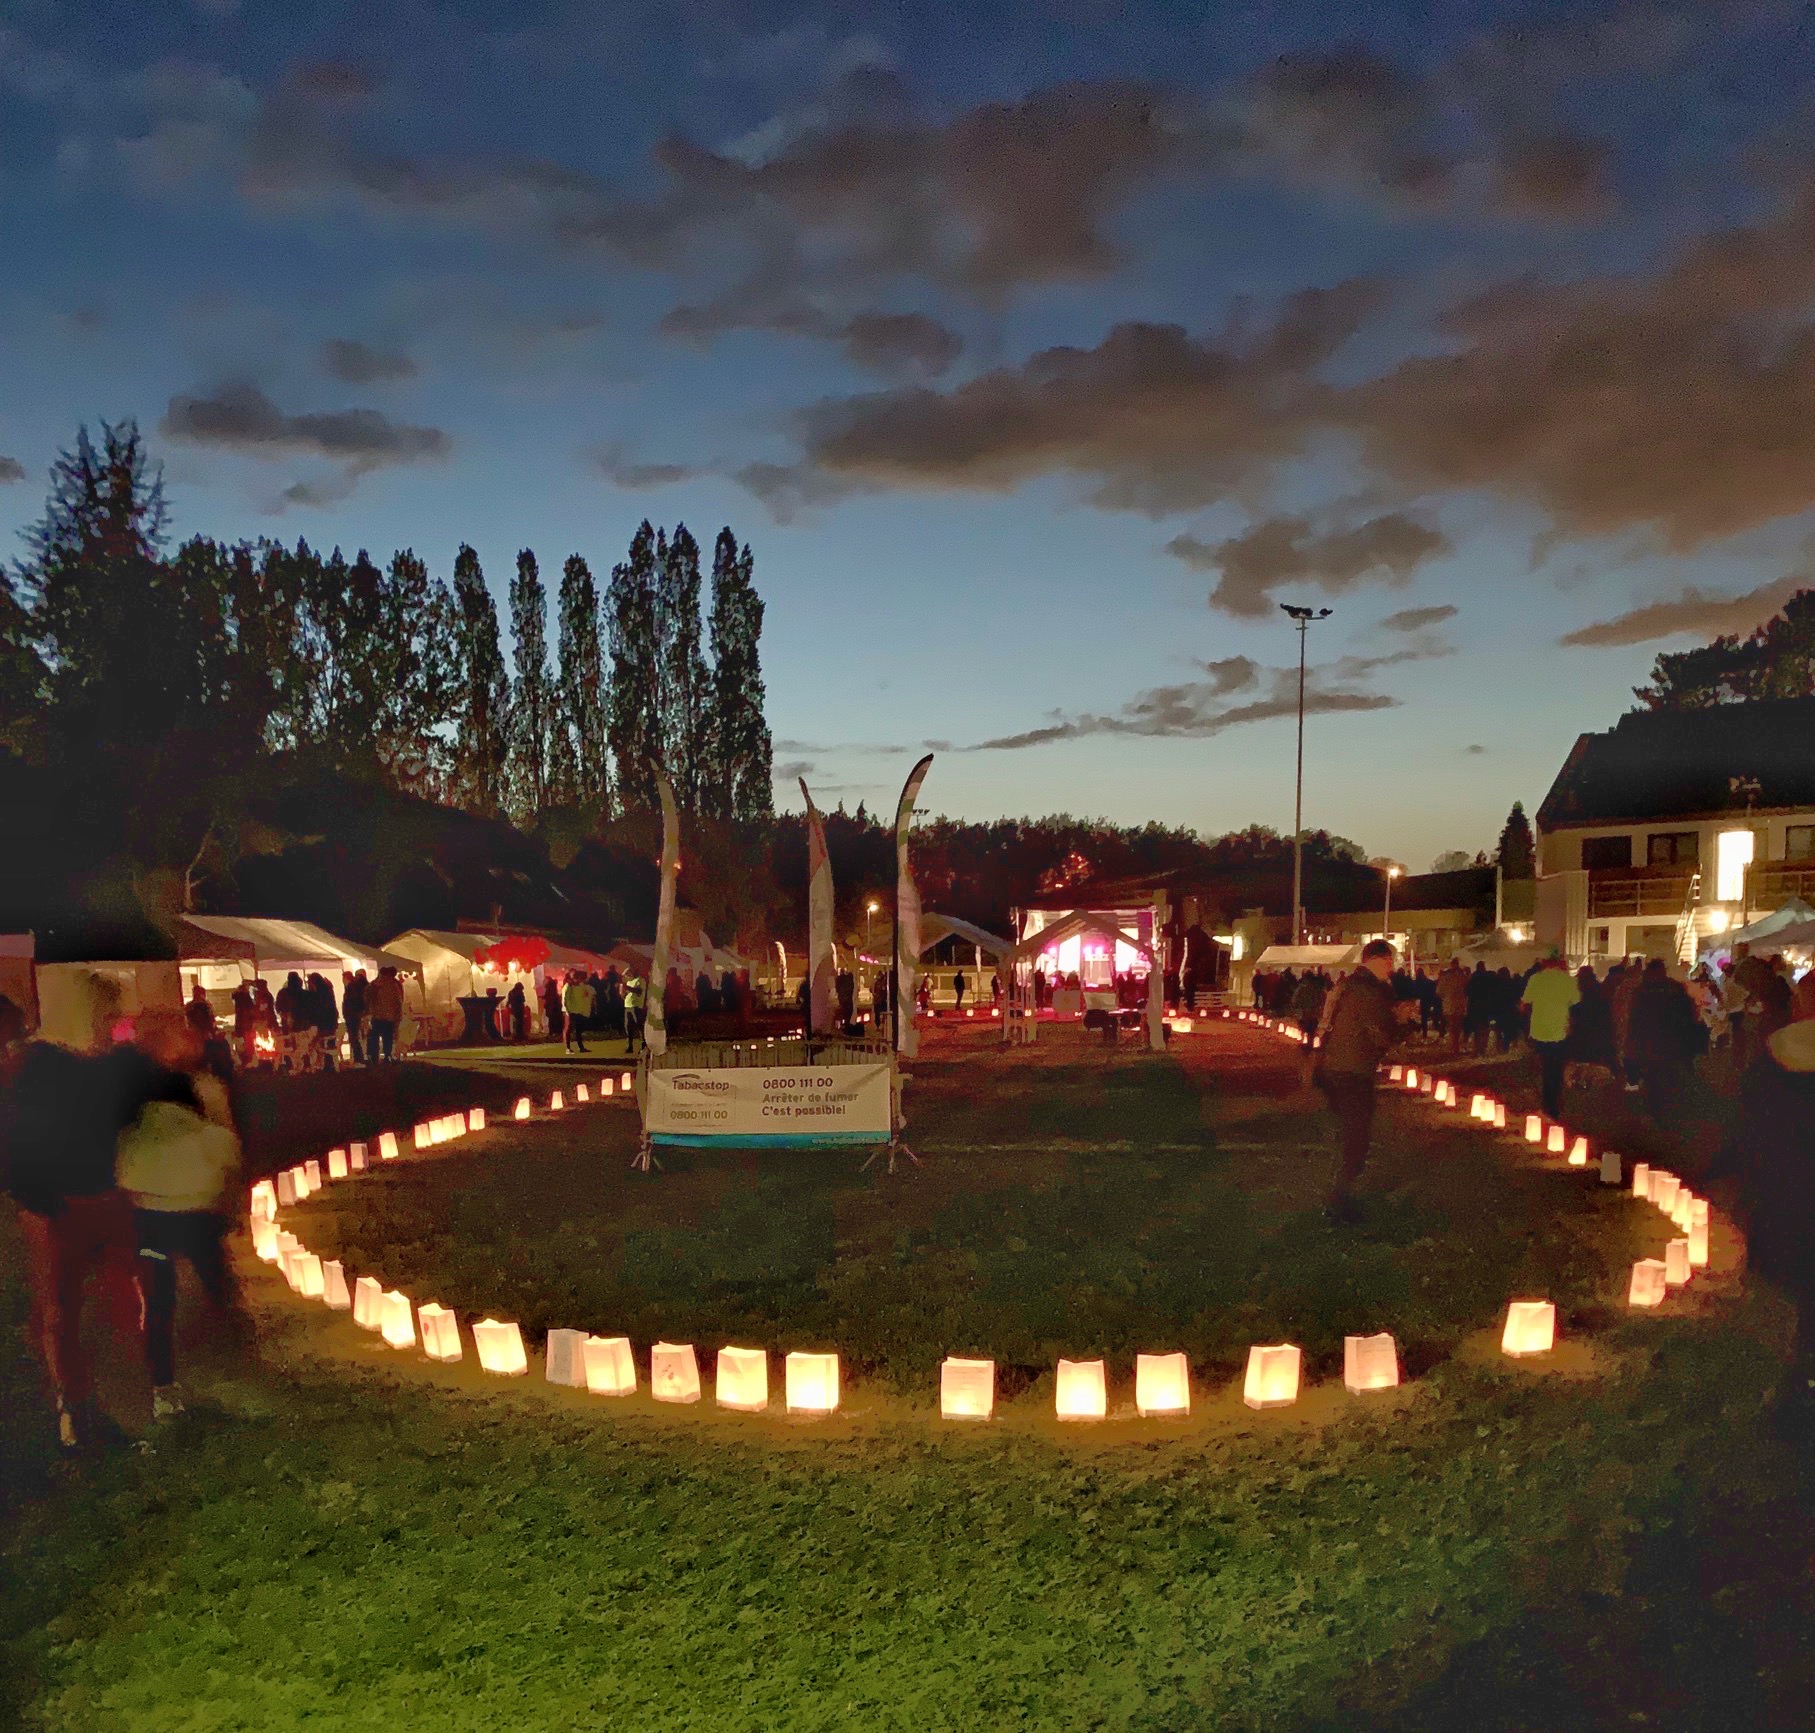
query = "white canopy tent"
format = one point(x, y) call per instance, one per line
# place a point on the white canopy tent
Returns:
point(1331, 957)
point(248, 945)
point(1793, 913)
point(451, 971)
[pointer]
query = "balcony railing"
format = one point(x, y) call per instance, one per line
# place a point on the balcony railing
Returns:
point(1627, 891)
point(1773, 883)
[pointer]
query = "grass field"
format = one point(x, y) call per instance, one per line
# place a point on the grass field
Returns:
point(1606, 1538)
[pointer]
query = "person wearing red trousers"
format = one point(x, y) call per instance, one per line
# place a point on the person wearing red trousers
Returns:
point(62, 1114)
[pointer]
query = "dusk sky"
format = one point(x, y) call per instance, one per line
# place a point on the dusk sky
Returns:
point(1039, 350)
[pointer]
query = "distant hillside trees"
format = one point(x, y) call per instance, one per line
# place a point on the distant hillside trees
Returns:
point(221, 653)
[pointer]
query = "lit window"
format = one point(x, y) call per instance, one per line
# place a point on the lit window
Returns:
point(1733, 854)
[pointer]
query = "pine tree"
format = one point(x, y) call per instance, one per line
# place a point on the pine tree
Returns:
point(100, 615)
point(635, 729)
point(482, 704)
point(1517, 853)
point(740, 753)
point(532, 701)
point(686, 686)
point(582, 693)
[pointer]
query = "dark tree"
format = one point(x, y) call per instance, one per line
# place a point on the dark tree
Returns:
point(686, 688)
point(532, 701)
point(482, 703)
point(1775, 661)
point(582, 689)
point(1517, 853)
point(635, 726)
point(414, 676)
point(114, 646)
point(739, 753)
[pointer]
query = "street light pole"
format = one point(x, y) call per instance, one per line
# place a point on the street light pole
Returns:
point(869, 924)
point(1301, 618)
point(1386, 919)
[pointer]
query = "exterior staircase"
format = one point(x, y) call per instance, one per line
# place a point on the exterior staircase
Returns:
point(1685, 924)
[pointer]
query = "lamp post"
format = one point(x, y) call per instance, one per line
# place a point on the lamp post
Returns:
point(1386, 919)
point(869, 921)
point(1301, 618)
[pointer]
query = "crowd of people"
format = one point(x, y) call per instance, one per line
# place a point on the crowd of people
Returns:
point(299, 1026)
point(1639, 1024)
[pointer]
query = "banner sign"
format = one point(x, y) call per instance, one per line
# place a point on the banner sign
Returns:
point(798, 1108)
point(821, 969)
point(907, 915)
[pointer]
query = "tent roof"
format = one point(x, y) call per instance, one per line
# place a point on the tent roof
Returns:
point(466, 945)
point(934, 928)
point(210, 938)
point(1309, 956)
point(1790, 914)
point(1799, 936)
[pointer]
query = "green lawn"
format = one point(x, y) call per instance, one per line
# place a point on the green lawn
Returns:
point(1605, 1538)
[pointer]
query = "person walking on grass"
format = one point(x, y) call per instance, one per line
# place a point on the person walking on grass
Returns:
point(176, 1165)
point(1360, 1025)
point(62, 1113)
point(1550, 995)
point(636, 1004)
point(576, 1002)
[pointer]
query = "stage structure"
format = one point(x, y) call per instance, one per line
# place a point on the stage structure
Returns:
point(820, 1090)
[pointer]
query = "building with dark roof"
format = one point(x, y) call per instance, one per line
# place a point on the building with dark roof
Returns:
point(1674, 826)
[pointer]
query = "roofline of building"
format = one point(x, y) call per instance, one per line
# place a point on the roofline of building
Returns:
point(1709, 815)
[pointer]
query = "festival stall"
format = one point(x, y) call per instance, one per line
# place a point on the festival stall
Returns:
point(461, 966)
point(221, 952)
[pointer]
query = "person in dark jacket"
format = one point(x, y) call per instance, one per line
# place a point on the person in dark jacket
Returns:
point(63, 1112)
point(1360, 1024)
point(1591, 1026)
point(516, 1008)
point(353, 1008)
point(1664, 1038)
point(1772, 1155)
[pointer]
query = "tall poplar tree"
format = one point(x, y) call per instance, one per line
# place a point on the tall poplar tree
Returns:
point(685, 695)
point(635, 728)
point(582, 686)
point(482, 700)
point(414, 673)
point(740, 754)
point(532, 699)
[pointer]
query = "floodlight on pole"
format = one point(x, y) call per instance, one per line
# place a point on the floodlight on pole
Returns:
point(869, 922)
point(1386, 920)
point(1301, 618)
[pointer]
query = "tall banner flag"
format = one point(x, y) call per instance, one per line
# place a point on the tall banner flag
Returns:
point(907, 915)
point(655, 1031)
point(822, 961)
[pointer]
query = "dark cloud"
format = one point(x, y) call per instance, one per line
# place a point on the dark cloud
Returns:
point(1679, 401)
point(359, 363)
point(240, 417)
point(1283, 551)
point(789, 490)
point(1417, 619)
point(1004, 194)
point(1693, 612)
point(612, 463)
point(335, 80)
point(901, 343)
point(1347, 114)
point(1474, 751)
point(1682, 399)
point(11, 471)
point(1159, 420)
point(1197, 709)
point(1564, 175)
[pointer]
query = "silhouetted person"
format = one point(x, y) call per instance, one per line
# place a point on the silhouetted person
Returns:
point(1666, 1035)
point(1359, 1026)
point(384, 1006)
